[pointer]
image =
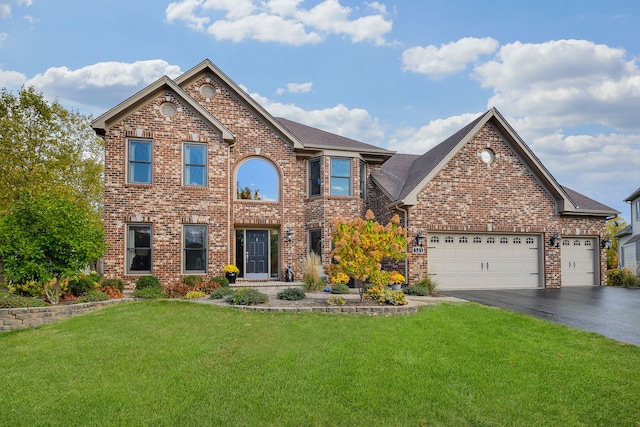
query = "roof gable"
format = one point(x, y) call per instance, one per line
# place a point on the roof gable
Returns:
point(103, 122)
point(424, 168)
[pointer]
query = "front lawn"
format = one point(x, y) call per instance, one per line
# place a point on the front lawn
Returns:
point(179, 363)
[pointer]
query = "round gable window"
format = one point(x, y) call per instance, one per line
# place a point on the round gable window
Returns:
point(487, 155)
point(167, 109)
point(208, 91)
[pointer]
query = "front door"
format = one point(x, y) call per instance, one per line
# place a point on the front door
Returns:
point(257, 256)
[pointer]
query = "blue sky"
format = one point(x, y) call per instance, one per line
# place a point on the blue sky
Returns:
point(401, 74)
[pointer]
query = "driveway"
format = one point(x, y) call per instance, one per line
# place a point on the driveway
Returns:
point(609, 311)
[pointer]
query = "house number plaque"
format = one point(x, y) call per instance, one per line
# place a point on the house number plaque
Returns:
point(418, 250)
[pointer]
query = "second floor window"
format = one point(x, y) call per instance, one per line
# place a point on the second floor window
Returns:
point(340, 177)
point(140, 156)
point(314, 177)
point(195, 164)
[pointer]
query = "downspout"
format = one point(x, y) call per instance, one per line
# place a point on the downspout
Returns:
point(231, 144)
point(406, 223)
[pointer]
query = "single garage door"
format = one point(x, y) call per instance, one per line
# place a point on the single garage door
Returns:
point(579, 262)
point(484, 261)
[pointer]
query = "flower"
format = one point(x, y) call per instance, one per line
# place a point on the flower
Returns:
point(231, 269)
point(396, 278)
point(340, 278)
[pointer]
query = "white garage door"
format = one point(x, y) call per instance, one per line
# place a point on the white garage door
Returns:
point(484, 261)
point(579, 265)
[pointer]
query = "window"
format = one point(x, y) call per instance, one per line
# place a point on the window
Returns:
point(530, 240)
point(195, 248)
point(517, 240)
point(463, 239)
point(340, 177)
point(258, 179)
point(504, 240)
point(363, 180)
point(491, 239)
point(638, 210)
point(314, 177)
point(140, 161)
point(138, 248)
point(477, 240)
point(315, 241)
point(448, 239)
point(435, 239)
point(195, 164)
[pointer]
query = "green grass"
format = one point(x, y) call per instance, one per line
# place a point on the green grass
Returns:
point(166, 363)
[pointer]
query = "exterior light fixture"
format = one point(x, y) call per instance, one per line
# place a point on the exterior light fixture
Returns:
point(289, 236)
point(555, 240)
point(606, 243)
point(420, 238)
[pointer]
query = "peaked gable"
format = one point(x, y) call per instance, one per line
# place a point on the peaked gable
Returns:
point(424, 168)
point(106, 120)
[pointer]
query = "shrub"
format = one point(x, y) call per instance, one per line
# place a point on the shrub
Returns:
point(428, 283)
point(194, 295)
point(207, 287)
point(30, 288)
point(148, 282)
point(113, 283)
point(335, 300)
point(383, 295)
point(18, 301)
point(291, 294)
point(615, 277)
point(629, 279)
point(417, 290)
point(220, 280)
point(340, 288)
point(81, 286)
point(221, 293)
point(93, 296)
point(112, 292)
point(150, 292)
point(192, 281)
point(248, 296)
point(311, 277)
point(178, 290)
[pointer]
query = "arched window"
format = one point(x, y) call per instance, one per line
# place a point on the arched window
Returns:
point(258, 179)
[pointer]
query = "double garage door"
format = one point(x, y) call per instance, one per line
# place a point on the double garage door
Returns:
point(505, 261)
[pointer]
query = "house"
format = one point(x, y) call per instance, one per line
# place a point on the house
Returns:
point(629, 237)
point(199, 175)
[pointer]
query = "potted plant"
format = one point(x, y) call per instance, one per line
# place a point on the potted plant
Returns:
point(231, 272)
point(396, 280)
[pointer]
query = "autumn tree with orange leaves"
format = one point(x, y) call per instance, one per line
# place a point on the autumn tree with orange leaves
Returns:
point(361, 245)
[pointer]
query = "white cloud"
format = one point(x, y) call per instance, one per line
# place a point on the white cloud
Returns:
point(296, 88)
point(11, 78)
point(354, 123)
point(3, 37)
point(102, 85)
point(564, 83)
point(5, 11)
point(419, 141)
point(282, 21)
point(447, 59)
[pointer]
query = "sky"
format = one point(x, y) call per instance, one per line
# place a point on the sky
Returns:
point(402, 74)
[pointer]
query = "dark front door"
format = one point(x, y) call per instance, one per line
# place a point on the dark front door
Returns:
point(257, 247)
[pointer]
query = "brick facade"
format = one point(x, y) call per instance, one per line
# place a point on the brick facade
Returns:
point(465, 195)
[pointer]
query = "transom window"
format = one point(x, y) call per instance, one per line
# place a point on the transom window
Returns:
point(140, 153)
point(314, 177)
point(340, 177)
point(195, 164)
point(258, 179)
point(195, 248)
point(138, 249)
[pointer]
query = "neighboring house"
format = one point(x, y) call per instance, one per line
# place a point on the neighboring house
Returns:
point(629, 237)
point(199, 175)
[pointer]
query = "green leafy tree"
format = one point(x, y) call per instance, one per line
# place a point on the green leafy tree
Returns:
point(361, 246)
point(44, 147)
point(614, 225)
point(50, 236)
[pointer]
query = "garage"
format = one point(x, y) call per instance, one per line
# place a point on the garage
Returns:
point(484, 261)
point(579, 265)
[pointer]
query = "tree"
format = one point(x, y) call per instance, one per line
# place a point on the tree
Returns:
point(614, 225)
point(44, 147)
point(361, 246)
point(49, 236)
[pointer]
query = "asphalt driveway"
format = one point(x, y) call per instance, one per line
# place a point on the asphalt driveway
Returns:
point(609, 311)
